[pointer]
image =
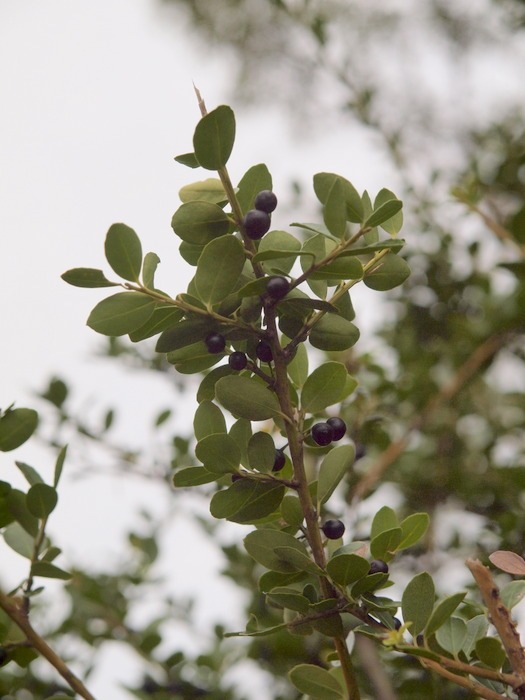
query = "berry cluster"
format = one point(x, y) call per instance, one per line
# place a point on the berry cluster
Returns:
point(257, 221)
point(325, 433)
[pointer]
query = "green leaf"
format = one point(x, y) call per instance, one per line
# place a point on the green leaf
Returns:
point(255, 180)
point(207, 386)
point(16, 426)
point(491, 652)
point(277, 252)
point(345, 569)
point(301, 561)
point(451, 635)
point(383, 213)
point(30, 473)
point(331, 626)
point(476, 629)
point(193, 476)
point(163, 317)
point(384, 545)
point(512, 593)
point(200, 222)
point(417, 602)
point(214, 138)
point(261, 452)
point(184, 333)
point(272, 579)
point(342, 268)
point(334, 467)
point(393, 225)
point(258, 633)
point(193, 358)
point(247, 501)
point(41, 500)
point(323, 387)
point(208, 420)
point(121, 313)
point(209, 190)
point(261, 545)
point(124, 251)
point(292, 511)
point(16, 503)
point(384, 519)
point(219, 453)
point(247, 398)
point(59, 465)
point(323, 183)
point(298, 367)
point(316, 682)
point(334, 211)
point(149, 267)
point(333, 333)
point(289, 598)
point(389, 273)
point(188, 159)
point(87, 277)
point(20, 541)
point(413, 528)
point(219, 268)
point(47, 570)
point(442, 611)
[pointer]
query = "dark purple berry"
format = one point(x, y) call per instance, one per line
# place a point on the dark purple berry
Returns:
point(277, 287)
point(338, 426)
point(378, 566)
point(322, 434)
point(360, 451)
point(266, 201)
point(256, 223)
point(236, 477)
point(237, 360)
point(215, 343)
point(264, 351)
point(333, 529)
point(279, 461)
point(397, 623)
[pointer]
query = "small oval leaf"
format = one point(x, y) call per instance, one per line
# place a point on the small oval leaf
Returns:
point(124, 251)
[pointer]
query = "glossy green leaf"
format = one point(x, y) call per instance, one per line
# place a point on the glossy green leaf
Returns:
point(124, 251)
point(442, 611)
point(188, 159)
point(30, 473)
point(47, 570)
point(289, 598)
point(332, 625)
point(219, 453)
point(512, 593)
point(292, 511)
point(333, 333)
point(316, 682)
point(342, 268)
point(247, 501)
point(384, 519)
point(182, 334)
point(199, 222)
point(383, 213)
point(255, 180)
point(277, 252)
point(323, 183)
point(345, 569)
point(452, 635)
point(336, 464)
point(41, 500)
point(87, 277)
point(20, 541)
point(298, 367)
point(193, 358)
point(209, 190)
point(390, 272)
point(208, 420)
point(413, 528)
point(219, 269)
point(16, 503)
point(190, 252)
point(334, 210)
point(261, 452)
point(384, 545)
point(164, 316)
point(300, 560)
point(149, 267)
point(261, 545)
point(417, 602)
point(214, 137)
point(323, 387)
point(393, 245)
point(477, 628)
point(206, 389)
point(193, 476)
point(490, 651)
point(121, 313)
point(16, 426)
point(247, 398)
point(395, 223)
point(272, 579)
point(59, 465)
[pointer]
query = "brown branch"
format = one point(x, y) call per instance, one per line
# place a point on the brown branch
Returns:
point(19, 617)
point(467, 370)
point(474, 687)
point(502, 621)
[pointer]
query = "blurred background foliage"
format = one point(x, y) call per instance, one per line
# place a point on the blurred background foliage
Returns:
point(439, 415)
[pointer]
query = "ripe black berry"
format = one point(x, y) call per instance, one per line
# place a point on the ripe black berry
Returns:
point(277, 287)
point(237, 360)
point(264, 351)
point(333, 529)
point(215, 343)
point(378, 566)
point(322, 434)
point(256, 223)
point(338, 426)
point(266, 201)
point(279, 461)
point(360, 451)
